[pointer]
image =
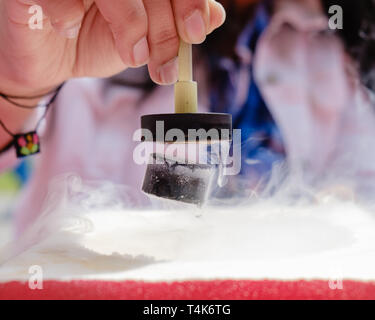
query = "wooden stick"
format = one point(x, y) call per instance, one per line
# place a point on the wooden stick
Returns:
point(186, 90)
point(185, 62)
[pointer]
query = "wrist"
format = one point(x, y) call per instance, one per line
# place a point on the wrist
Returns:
point(32, 92)
point(14, 119)
point(26, 97)
point(16, 110)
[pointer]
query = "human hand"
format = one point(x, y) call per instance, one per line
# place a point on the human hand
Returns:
point(97, 38)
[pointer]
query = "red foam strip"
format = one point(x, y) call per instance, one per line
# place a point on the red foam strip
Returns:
point(189, 290)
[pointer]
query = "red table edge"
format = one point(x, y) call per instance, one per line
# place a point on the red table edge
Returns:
point(190, 290)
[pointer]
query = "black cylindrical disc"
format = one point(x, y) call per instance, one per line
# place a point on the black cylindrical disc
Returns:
point(186, 121)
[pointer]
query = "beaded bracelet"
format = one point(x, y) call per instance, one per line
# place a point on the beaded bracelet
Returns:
point(27, 144)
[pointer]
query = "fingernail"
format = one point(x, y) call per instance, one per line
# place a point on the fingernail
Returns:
point(169, 72)
point(71, 32)
point(195, 27)
point(141, 52)
point(224, 13)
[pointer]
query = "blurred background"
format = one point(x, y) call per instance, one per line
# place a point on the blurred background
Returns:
point(11, 183)
point(298, 55)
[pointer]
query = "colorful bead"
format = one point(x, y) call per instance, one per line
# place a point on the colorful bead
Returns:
point(27, 144)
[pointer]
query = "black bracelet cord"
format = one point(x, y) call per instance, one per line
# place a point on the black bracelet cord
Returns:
point(11, 99)
point(46, 106)
point(6, 96)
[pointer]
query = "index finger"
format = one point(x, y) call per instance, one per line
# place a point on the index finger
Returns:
point(197, 18)
point(129, 24)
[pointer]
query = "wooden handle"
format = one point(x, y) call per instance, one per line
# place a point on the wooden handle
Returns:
point(186, 90)
point(185, 62)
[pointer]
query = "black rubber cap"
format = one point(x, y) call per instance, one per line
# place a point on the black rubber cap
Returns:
point(186, 121)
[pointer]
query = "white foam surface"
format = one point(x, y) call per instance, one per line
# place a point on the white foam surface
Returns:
point(329, 239)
